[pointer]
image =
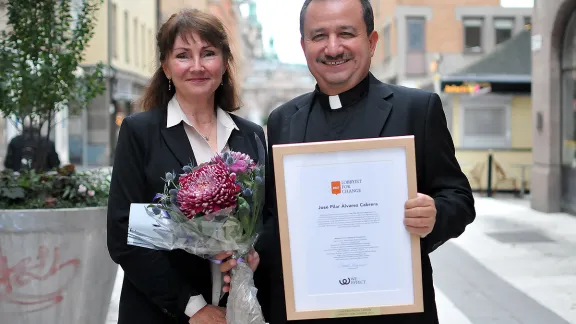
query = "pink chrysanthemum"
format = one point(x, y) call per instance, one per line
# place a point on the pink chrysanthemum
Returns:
point(236, 161)
point(210, 188)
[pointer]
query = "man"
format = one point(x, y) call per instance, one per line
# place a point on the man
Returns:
point(338, 40)
point(24, 150)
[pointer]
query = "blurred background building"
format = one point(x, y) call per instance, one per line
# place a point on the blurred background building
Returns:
point(124, 40)
point(476, 55)
point(267, 81)
point(420, 39)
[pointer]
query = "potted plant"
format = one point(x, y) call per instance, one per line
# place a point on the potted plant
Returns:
point(54, 264)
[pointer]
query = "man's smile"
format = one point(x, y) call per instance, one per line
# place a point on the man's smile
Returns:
point(340, 62)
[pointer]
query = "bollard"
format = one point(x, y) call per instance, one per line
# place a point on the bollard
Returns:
point(489, 186)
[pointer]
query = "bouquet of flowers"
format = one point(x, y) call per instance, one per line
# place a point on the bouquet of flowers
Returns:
point(212, 208)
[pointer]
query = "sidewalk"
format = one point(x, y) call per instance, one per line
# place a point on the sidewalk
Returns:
point(513, 265)
point(113, 310)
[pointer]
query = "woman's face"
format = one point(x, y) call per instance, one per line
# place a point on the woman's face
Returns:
point(194, 66)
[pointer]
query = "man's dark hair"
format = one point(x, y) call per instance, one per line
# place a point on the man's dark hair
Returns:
point(367, 14)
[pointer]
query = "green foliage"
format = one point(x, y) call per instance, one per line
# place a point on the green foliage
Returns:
point(40, 55)
point(64, 188)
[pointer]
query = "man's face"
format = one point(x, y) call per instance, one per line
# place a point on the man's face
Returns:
point(336, 45)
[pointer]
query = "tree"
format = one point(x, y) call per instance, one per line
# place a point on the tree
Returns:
point(40, 55)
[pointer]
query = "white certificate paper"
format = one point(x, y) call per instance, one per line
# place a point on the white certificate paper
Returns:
point(348, 244)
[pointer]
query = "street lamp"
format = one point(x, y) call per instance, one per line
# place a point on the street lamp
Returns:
point(435, 69)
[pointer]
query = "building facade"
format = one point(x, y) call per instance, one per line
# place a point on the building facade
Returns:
point(124, 41)
point(462, 49)
point(489, 111)
point(170, 7)
point(266, 83)
point(554, 105)
point(420, 39)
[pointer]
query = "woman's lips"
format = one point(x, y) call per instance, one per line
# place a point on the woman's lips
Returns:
point(197, 80)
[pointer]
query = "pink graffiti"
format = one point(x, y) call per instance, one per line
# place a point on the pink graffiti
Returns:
point(14, 280)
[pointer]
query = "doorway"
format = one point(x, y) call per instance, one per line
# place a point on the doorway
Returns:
point(569, 117)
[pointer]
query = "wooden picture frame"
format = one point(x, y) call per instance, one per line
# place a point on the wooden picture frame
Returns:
point(302, 173)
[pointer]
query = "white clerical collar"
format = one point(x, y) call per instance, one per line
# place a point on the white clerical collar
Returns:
point(335, 102)
point(346, 98)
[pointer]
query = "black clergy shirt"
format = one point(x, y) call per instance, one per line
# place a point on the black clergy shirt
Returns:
point(339, 117)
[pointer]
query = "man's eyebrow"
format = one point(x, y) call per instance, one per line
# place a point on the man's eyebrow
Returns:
point(350, 28)
point(316, 31)
point(345, 28)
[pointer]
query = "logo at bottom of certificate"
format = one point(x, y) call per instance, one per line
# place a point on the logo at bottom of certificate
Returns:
point(352, 281)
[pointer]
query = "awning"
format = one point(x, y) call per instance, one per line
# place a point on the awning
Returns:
point(507, 69)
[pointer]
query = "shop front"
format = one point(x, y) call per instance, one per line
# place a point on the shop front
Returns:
point(489, 111)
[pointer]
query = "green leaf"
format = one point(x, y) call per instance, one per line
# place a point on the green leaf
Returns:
point(66, 192)
point(13, 193)
point(244, 214)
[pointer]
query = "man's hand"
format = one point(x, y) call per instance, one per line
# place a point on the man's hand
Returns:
point(209, 314)
point(420, 215)
point(225, 267)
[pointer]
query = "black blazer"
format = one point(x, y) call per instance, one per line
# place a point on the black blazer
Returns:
point(157, 284)
point(391, 111)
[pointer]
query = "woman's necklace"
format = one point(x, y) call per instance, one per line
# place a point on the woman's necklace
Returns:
point(207, 137)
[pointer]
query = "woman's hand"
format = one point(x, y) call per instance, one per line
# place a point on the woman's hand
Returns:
point(209, 314)
point(225, 267)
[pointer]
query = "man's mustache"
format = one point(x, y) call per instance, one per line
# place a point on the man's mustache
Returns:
point(324, 59)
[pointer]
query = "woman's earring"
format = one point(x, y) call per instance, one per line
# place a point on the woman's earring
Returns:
point(169, 84)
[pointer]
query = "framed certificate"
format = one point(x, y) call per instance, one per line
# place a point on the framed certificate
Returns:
point(345, 249)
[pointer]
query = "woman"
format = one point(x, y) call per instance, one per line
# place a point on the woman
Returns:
point(186, 119)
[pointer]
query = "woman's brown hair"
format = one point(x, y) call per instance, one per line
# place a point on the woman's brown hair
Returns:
point(210, 29)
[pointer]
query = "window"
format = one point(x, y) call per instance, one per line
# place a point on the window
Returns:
point(136, 62)
point(569, 44)
point(415, 46)
point(126, 38)
point(387, 43)
point(152, 50)
point(143, 46)
point(503, 29)
point(485, 126)
point(528, 23)
point(416, 34)
point(113, 31)
point(3, 15)
point(473, 34)
point(569, 118)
